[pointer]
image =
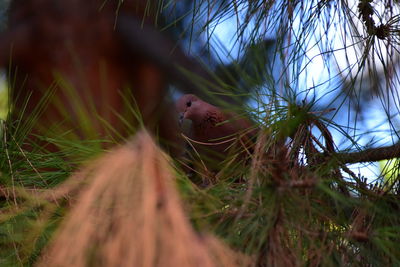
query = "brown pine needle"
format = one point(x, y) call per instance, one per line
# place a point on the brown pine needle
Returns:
point(129, 214)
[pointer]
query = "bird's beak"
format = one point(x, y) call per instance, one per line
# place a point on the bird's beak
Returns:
point(181, 117)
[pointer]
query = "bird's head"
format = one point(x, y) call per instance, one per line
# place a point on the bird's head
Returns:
point(189, 107)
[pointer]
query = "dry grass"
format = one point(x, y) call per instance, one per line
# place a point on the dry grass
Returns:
point(129, 213)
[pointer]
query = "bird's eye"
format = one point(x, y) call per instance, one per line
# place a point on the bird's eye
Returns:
point(188, 104)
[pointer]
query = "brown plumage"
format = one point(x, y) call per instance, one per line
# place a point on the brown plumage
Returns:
point(215, 134)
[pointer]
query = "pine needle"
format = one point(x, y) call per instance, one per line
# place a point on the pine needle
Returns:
point(129, 214)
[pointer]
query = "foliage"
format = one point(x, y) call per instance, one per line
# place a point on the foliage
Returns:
point(294, 200)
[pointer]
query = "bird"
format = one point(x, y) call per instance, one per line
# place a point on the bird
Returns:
point(215, 135)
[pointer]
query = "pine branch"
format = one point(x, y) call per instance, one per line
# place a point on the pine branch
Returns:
point(371, 154)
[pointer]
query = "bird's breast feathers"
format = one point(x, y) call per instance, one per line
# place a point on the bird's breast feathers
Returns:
point(211, 120)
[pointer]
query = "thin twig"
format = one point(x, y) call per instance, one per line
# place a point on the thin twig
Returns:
point(255, 166)
point(194, 149)
point(209, 143)
point(9, 163)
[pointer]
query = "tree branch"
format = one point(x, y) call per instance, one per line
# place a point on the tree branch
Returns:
point(368, 155)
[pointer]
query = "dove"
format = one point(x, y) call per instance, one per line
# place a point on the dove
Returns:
point(215, 134)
